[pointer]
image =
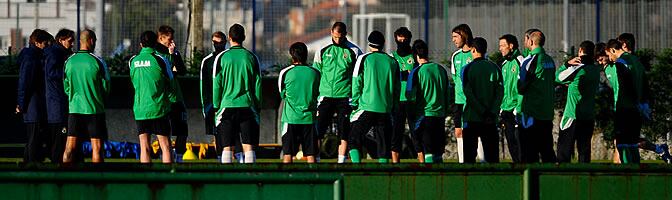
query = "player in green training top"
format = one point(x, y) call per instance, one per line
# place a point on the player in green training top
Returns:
point(429, 86)
point(151, 77)
point(482, 87)
point(404, 57)
point(461, 36)
point(582, 77)
point(335, 63)
point(178, 111)
point(536, 84)
point(87, 85)
point(236, 96)
point(299, 85)
point(375, 94)
point(508, 46)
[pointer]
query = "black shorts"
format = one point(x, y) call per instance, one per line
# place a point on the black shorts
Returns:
point(326, 108)
point(238, 124)
point(160, 126)
point(85, 125)
point(178, 119)
point(457, 115)
point(429, 136)
point(294, 135)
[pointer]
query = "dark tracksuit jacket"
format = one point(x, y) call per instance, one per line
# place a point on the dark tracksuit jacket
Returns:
point(30, 93)
point(57, 101)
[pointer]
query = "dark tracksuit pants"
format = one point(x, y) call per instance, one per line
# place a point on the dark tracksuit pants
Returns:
point(489, 137)
point(581, 133)
point(537, 140)
point(382, 129)
point(510, 132)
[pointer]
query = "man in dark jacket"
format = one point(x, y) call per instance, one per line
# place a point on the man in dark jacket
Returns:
point(30, 94)
point(57, 103)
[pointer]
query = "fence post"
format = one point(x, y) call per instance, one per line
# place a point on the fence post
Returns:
point(427, 21)
point(597, 19)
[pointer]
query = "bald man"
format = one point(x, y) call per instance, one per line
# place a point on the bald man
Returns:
point(536, 86)
point(87, 84)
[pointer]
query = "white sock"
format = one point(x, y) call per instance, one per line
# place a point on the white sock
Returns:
point(250, 157)
point(227, 156)
point(479, 151)
point(460, 151)
point(341, 158)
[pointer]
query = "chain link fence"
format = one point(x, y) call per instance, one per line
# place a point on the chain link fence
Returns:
point(278, 23)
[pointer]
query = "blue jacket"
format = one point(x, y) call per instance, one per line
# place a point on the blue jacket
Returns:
point(57, 102)
point(30, 94)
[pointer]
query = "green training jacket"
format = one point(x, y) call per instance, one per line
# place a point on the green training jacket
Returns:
point(86, 83)
point(429, 85)
point(375, 83)
point(236, 80)
point(536, 84)
point(583, 82)
point(406, 64)
point(510, 68)
point(459, 59)
point(482, 82)
point(299, 87)
point(335, 63)
point(151, 77)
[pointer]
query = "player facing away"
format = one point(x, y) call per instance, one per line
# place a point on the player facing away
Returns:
point(299, 85)
point(30, 98)
point(335, 63)
point(508, 46)
point(404, 57)
point(236, 96)
point(582, 77)
point(87, 85)
point(429, 86)
point(536, 86)
point(483, 90)
point(178, 111)
point(151, 76)
point(375, 94)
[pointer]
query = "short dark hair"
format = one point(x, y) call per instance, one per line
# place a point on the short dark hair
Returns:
point(340, 27)
point(165, 30)
point(536, 35)
point(39, 36)
point(600, 49)
point(420, 49)
point(299, 52)
point(219, 34)
point(510, 39)
point(237, 33)
point(464, 31)
point(403, 31)
point(614, 44)
point(588, 48)
point(480, 44)
point(628, 39)
point(65, 34)
point(148, 39)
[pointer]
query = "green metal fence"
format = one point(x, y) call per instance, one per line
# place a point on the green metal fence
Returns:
point(330, 181)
